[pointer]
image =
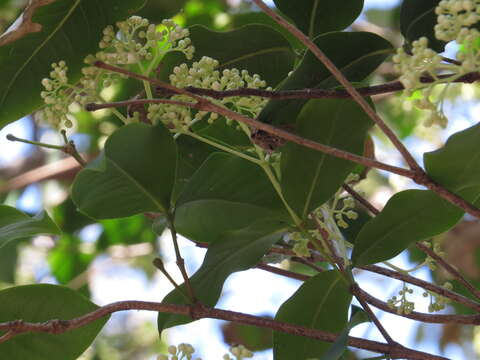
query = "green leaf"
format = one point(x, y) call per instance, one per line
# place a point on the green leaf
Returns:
point(309, 177)
point(336, 350)
point(456, 166)
point(315, 17)
point(394, 229)
point(356, 54)
point(226, 193)
point(137, 174)
point(39, 303)
point(15, 225)
point(266, 52)
point(417, 19)
point(8, 262)
point(50, 31)
point(231, 252)
point(320, 303)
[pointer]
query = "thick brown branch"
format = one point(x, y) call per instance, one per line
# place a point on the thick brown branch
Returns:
point(198, 312)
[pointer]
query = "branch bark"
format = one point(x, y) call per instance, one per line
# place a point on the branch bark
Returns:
point(394, 351)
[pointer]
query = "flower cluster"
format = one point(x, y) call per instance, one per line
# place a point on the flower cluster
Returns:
point(402, 305)
point(438, 302)
point(58, 95)
point(454, 22)
point(185, 351)
point(455, 16)
point(135, 41)
point(180, 352)
point(205, 74)
point(239, 352)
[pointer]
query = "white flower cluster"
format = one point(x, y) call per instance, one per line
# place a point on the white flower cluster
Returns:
point(402, 305)
point(57, 95)
point(438, 302)
point(454, 21)
point(204, 74)
point(135, 41)
point(239, 352)
point(185, 351)
point(180, 352)
point(454, 16)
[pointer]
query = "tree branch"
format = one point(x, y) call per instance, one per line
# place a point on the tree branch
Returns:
point(427, 318)
point(394, 351)
point(343, 81)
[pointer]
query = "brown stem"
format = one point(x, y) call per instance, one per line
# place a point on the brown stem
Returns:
point(323, 93)
point(60, 326)
point(343, 80)
point(427, 318)
point(282, 272)
point(207, 106)
point(423, 284)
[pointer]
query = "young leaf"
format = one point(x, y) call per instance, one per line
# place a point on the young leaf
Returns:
point(417, 19)
point(266, 52)
point(356, 54)
point(226, 193)
point(456, 165)
point(315, 17)
point(309, 178)
point(47, 32)
point(137, 174)
point(231, 252)
point(320, 303)
point(394, 229)
point(39, 303)
point(15, 225)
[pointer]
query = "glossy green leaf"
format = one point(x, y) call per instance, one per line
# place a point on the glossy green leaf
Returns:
point(266, 52)
point(394, 229)
point(309, 177)
point(226, 193)
point(231, 252)
point(356, 54)
point(8, 262)
point(456, 166)
point(137, 174)
point(417, 19)
point(315, 17)
point(39, 303)
point(320, 303)
point(50, 31)
point(15, 225)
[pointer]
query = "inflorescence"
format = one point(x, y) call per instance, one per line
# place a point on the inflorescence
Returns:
point(455, 19)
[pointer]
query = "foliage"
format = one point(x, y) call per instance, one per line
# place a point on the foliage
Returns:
point(244, 142)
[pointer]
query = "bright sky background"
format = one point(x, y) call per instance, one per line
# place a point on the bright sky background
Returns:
point(253, 291)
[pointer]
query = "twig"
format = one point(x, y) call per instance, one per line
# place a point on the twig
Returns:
point(423, 284)
point(427, 318)
point(207, 106)
point(60, 326)
point(282, 272)
point(343, 80)
point(449, 268)
point(323, 93)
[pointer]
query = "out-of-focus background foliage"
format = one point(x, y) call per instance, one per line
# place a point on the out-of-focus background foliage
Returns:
point(111, 260)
